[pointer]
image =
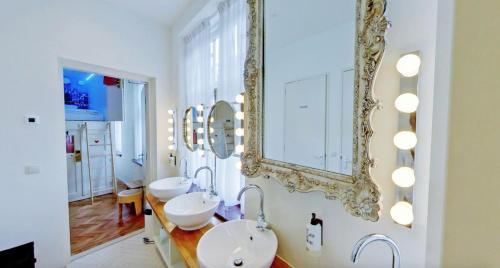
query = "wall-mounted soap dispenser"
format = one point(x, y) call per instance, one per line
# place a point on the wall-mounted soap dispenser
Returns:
point(314, 236)
point(172, 159)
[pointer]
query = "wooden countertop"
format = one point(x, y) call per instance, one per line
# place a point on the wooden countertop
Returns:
point(187, 241)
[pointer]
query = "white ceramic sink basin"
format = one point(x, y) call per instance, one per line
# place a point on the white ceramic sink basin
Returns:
point(237, 242)
point(168, 188)
point(191, 211)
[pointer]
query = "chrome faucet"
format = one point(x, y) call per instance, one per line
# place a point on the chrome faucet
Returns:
point(262, 225)
point(363, 242)
point(212, 191)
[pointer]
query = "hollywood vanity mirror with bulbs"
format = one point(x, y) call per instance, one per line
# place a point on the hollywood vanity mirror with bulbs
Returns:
point(309, 80)
point(192, 128)
point(221, 129)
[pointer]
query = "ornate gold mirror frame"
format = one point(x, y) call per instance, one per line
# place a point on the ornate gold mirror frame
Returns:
point(359, 193)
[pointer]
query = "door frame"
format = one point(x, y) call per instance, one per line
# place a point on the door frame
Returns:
point(151, 130)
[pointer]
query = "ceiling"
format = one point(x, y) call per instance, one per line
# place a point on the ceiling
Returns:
point(162, 11)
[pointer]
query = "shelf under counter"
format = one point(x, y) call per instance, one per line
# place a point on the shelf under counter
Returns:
point(187, 241)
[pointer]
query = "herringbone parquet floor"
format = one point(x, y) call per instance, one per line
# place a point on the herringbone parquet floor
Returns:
point(93, 225)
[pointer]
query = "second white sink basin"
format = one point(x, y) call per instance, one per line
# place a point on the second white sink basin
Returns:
point(191, 211)
point(237, 244)
point(168, 188)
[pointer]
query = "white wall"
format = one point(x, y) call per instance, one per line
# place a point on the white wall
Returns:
point(33, 36)
point(439, 157)
point(413, 28)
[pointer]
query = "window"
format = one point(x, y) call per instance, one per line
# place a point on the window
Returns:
point(118, 138)
point(214, 59)
point(139, 123)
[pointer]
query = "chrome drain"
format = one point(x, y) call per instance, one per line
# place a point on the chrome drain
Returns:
point(238, 262)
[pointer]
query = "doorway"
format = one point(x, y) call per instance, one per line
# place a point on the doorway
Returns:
point(108, 137)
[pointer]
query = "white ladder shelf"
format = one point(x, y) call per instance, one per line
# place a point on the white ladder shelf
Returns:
point(106, 144)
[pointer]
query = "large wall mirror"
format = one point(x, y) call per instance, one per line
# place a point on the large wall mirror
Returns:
point(308, 97)
point(309, 85)
point(221, 129)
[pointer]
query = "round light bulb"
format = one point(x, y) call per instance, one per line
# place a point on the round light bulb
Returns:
point(407, 103)
point(212, 119)
point(170, 112)
point(188, 138)
point(402, 213)
point(199, 119)
point(404, 177)
point(405, 140)
point(188, 129)
point(188, 121)
point(200, 130)
point(238, 165)
point(240, 148)
point(212, 140)
point(170, 129)
point(199, 107)
point(201, 141)
point(408, 65)
point(240, 98)
point(212, 130)
point(170, 120)
point(239, 115)
point(171, 147)
point(240, 132)
point(170, 138)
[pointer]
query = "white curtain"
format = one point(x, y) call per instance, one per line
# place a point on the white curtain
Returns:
point(214, 57)
point(198, 83)
point(232, 45)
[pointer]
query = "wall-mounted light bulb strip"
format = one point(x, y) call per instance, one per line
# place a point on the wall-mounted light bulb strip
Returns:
point(200, 129)
point(239, 131)
point(172, 134)
point(406, 139)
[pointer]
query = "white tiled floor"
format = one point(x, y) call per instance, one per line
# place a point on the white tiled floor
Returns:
point(129, 253)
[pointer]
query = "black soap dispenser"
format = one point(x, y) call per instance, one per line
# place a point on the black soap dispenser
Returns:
point(314, 236)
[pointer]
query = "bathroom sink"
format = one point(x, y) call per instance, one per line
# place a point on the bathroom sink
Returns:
point(168, 188)
point(237, 244)
point(191, 211)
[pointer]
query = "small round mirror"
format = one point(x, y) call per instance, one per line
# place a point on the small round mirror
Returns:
point(221, 129)
point(192, 127)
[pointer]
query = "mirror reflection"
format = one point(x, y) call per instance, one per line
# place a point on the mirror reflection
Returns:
point(309, 83)
point(221, 129)
point(193, 129)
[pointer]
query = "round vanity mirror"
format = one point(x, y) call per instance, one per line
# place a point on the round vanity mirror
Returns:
point(192, 129)
point(221, 129)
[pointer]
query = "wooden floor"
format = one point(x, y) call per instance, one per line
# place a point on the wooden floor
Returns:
point(93, 225)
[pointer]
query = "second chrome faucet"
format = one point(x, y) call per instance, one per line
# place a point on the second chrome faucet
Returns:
point(262, 225)
point(212, 190)
point(368, 239)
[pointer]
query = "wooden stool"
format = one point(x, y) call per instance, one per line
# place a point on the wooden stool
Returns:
point(130, 196)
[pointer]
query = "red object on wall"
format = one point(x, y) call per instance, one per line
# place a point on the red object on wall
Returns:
point(70, 143)
point(111, 81)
